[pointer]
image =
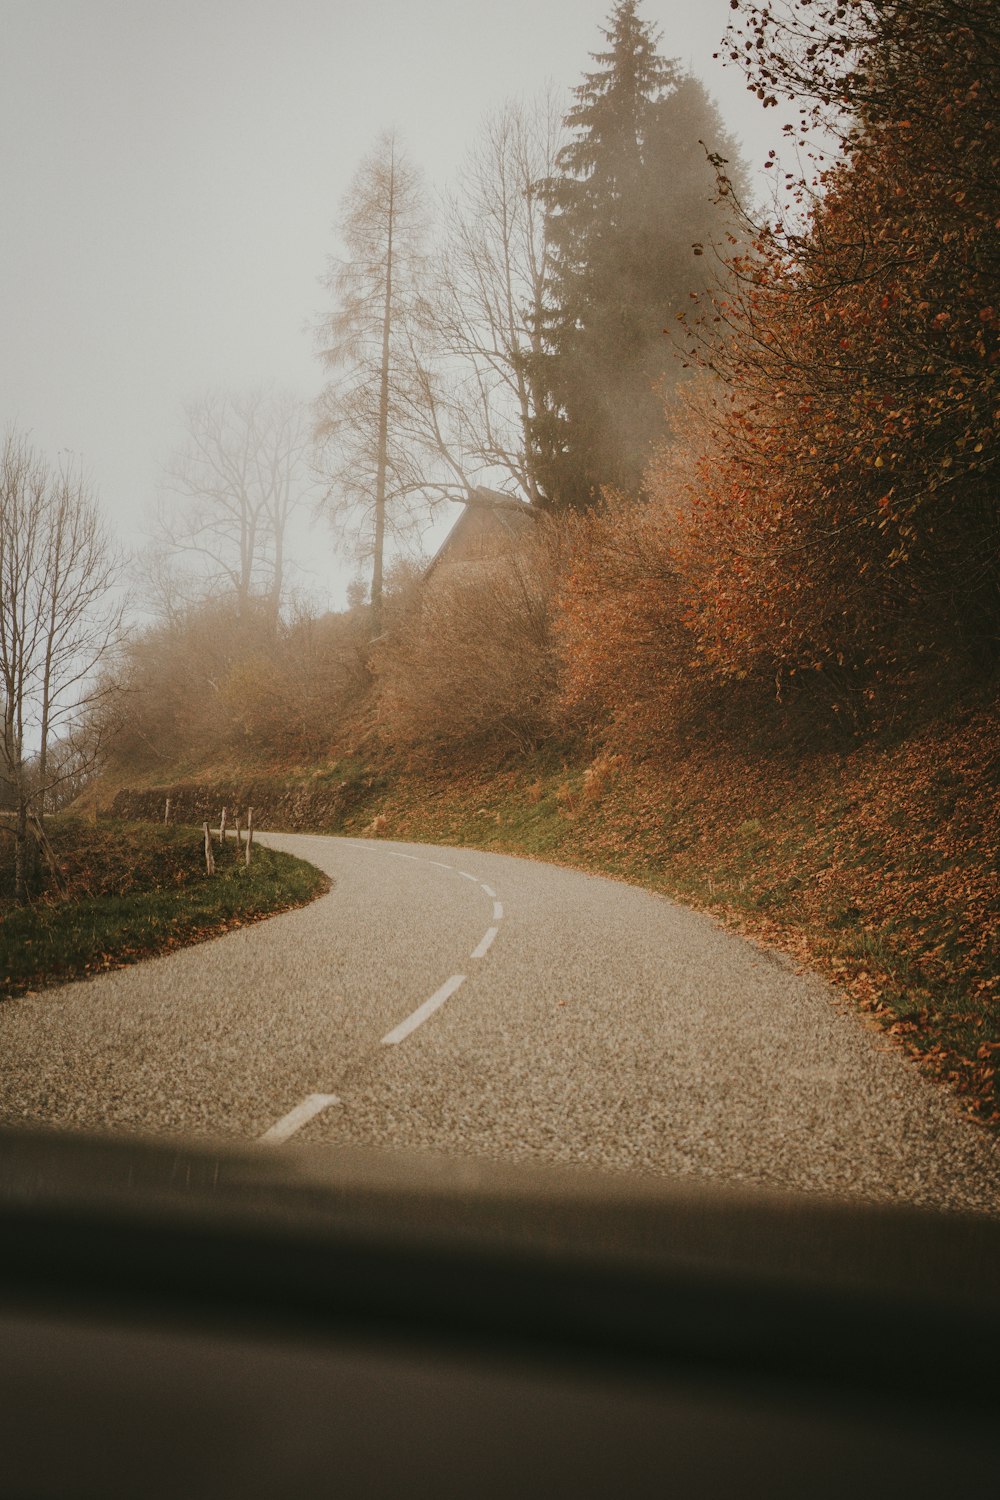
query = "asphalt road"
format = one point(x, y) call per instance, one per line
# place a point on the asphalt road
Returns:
point(463, 1002)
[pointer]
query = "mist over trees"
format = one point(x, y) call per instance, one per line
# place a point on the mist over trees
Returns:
point(370, 347)
point(515, 337)
point(488, 289)
point(212, 687)
point(229, 492)
point(631, 208)
point(792, 537)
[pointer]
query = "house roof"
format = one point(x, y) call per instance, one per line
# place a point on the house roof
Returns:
point(487, 522)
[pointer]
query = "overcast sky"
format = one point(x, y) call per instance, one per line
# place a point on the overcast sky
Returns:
point(171, 171)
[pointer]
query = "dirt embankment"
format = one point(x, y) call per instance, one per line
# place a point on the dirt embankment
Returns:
point(318, 803)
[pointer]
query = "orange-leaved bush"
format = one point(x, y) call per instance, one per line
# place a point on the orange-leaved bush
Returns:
point(844, 517)
point(469, 664)
point(625, 651)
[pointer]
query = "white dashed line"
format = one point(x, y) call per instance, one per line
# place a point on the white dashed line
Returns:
point(299, 1116)
point(484, 946)
point(423, 1011)
point(403, 1030)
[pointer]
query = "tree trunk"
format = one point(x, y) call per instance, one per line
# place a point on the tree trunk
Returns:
point(21, 849)
point(383, 421)
point(277, 584)
point(43, 748)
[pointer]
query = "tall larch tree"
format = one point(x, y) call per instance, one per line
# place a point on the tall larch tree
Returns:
point(363, 416)
point(633, 195)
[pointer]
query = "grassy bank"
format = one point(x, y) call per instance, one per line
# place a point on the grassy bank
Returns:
point(877, 867)
point(134, 890)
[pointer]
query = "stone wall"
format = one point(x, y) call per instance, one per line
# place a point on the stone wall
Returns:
point(316, 805)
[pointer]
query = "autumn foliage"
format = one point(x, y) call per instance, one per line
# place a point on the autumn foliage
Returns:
point(468, 661)
point(626, 653)
point(833, 530)
point(847, 515)
point(215, 683)
point(791, 642)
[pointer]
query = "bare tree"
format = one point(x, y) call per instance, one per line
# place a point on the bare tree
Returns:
point(464, 392)
point(489, 280)
point(78, 754)
point(229, 494)
point(372, 469)
point(59, 617)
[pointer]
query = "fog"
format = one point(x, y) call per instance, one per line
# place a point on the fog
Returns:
point(171, 175)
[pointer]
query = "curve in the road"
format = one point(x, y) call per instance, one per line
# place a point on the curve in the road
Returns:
point(315, 1103)
point(588, 1022)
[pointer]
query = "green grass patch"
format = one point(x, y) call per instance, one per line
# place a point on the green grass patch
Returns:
point(135, 890)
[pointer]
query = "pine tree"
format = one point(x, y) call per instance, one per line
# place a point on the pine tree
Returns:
point(633, 195)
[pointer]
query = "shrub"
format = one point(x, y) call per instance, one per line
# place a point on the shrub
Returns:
point(296, 702)
point(214, 680)
point(471, 662)
point(625, 652)
point(843, 519)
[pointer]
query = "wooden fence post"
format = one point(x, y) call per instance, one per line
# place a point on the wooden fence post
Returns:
point(249, 834)
point(166, 812)
point(239, 831)
point(222, 829)
point(209, 856)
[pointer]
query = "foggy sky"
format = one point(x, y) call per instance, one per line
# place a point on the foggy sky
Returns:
point(170, 179)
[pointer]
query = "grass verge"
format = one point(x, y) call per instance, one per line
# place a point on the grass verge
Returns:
point(136, 890)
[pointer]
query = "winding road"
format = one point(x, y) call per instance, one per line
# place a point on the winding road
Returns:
point(462, 1002)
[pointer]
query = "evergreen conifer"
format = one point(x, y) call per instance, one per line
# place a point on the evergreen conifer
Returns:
point(633, 195)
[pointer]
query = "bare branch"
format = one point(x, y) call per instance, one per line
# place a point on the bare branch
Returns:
point(229, 493)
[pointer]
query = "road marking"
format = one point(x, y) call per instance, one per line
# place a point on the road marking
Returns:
point(299, 1116)
point(483, 948)
point(448, 989)
point(423, 1011)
